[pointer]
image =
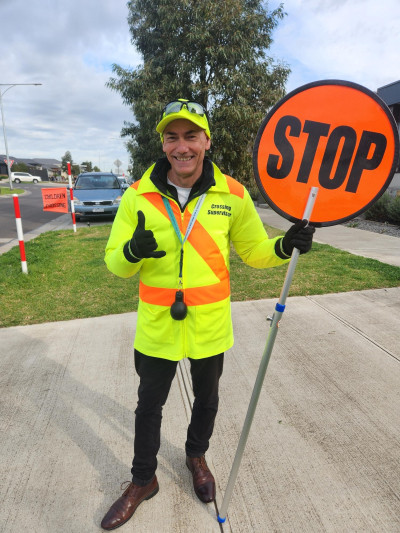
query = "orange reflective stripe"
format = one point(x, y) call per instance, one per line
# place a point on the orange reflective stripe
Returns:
point(235, 187)
point(156, 295)
point(199, 238)
point(155, 199)
point(135, 185)
point(194, 296)
point(208, 294)
point(207, 248)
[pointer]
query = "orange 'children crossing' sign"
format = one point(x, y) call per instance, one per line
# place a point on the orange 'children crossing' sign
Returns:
point(55, 199)
point(334, 135)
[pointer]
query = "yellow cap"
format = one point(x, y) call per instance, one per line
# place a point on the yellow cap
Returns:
point(183, 111)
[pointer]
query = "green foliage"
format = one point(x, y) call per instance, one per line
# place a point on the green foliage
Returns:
point(211, 52)
point(88, 166)
point(20, 167)
point(394, 210)
point(66, 158)
point(385, 209)
point(379, 210)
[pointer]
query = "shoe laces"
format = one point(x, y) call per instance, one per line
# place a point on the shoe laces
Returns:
point(202, 462)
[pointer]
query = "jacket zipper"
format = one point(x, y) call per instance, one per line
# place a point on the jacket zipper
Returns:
point(183, 322)
point(184, 331)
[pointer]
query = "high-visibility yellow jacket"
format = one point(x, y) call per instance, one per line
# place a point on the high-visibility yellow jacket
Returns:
point(227, 214)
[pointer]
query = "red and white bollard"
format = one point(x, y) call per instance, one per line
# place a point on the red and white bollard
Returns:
point(71, 194)
point(20, 234)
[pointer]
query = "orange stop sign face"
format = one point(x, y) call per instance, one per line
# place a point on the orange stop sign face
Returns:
point(334, 135)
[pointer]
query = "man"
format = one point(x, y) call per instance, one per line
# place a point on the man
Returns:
point(174, 226)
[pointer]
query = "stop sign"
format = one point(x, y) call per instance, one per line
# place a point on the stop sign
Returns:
point(334, 135)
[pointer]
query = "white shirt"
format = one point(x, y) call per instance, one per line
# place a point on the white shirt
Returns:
point(183, 192)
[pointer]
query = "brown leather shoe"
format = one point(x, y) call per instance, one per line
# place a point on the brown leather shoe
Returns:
point(203, 480)
point(123, 508)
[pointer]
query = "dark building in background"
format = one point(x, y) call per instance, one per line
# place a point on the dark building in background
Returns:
point(390, 94)
point(44, 168)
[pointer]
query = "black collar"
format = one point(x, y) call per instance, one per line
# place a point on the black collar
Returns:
point(159, 178)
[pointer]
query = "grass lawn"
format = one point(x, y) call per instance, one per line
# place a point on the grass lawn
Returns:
point(68, 278)
point(6, 191)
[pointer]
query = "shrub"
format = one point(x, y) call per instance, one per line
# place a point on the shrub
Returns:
point(20, 167)
point(394, 210)
point(379, 210)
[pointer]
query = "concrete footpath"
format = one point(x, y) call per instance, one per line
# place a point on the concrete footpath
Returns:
point(384, 248)
point(323, 454)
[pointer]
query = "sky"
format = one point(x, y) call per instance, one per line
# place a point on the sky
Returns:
point(70, 47)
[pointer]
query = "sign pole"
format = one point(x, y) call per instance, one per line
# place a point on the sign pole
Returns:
point(279, 309)
point(55, 199)
point(20, 234)
point(71, 194)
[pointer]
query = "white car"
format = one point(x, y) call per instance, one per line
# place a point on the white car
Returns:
point(17, 177)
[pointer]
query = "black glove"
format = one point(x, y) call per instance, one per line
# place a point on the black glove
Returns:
point(143, 244)
point(298, 236)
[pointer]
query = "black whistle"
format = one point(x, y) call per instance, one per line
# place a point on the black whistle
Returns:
point(178, 308)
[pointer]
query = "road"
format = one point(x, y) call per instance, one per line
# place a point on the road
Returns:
point(32, 214)
point(31, 207)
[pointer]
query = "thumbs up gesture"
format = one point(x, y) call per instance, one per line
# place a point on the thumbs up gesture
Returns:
point(143, 244)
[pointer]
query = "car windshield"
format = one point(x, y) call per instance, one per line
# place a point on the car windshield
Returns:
point(97, 182)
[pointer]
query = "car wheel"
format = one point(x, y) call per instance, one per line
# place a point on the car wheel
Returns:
point(77, 219)
point(35, 181)
point(17, 180)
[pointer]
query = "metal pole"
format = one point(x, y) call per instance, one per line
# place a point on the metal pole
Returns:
point(10, 86)
point(279, 309)
point(5, 138)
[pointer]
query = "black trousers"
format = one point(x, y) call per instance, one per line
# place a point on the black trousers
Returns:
point(156, 376)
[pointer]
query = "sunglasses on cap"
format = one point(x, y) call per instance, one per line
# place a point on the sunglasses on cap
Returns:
point(176, 105)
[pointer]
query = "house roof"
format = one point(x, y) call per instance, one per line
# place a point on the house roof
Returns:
point(390, 94)
point(37, 162)
point(52, 162)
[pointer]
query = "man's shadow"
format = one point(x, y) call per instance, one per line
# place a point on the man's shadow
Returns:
point(61, 397)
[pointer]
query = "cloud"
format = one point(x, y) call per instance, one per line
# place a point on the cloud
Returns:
point(69, 48)
point(355, 40)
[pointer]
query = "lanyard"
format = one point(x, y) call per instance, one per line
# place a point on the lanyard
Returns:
point(188, 230)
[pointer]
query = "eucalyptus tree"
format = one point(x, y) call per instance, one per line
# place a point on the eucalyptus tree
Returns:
point(215, 53)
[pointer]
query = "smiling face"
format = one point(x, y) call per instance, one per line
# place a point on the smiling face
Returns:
point(185, 145)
